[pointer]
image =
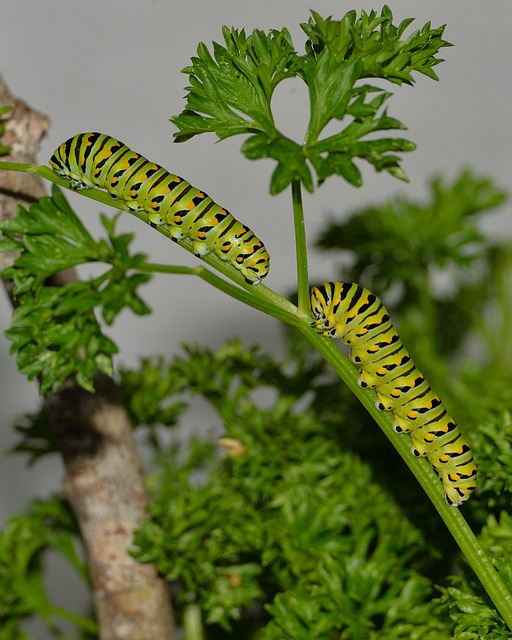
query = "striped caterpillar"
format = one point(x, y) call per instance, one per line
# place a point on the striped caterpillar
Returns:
point(346, 311)
point(98, 160)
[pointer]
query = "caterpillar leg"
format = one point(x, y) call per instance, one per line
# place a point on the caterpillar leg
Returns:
point(450, 456)
point(78, 185)
point(201, 249)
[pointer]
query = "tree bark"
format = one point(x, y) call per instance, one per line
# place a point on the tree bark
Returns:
point(104, 481)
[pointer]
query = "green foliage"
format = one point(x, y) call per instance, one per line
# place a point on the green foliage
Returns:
point(320, 612)
point(377, 43)
point(3, 111)
point(230, 93)
point(36, 438)
point(54, 331)
point(290, 520)
point(238, 79)
point(284, 515)
point(473, 616)
point(146, 390)
point(338, 549)
point(467, 603)
point(47, 525)
point(401, 241)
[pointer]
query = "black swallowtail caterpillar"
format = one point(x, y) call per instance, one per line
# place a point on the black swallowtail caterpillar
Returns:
point(346, 311)
point(98, 160)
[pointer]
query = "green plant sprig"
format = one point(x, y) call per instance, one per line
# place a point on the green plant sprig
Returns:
point(3, 110)
point(231, 89)
point(23, 543)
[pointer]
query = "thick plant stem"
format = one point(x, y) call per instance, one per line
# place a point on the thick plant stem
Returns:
point(105, 486)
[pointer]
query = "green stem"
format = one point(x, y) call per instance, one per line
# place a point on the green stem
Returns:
point(300, 248)
point(82, 623)
point(192, 623)
point(259, 297)
point(19, 166)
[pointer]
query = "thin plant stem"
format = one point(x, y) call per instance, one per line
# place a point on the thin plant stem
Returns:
point(300, 247)
point(83, 623)
point(192, 623)
point(258, 297)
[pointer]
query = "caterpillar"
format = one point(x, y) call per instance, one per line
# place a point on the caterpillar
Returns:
point(98, 160)
point(347, 311)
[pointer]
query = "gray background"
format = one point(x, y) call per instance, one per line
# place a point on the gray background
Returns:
point(114, 66)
